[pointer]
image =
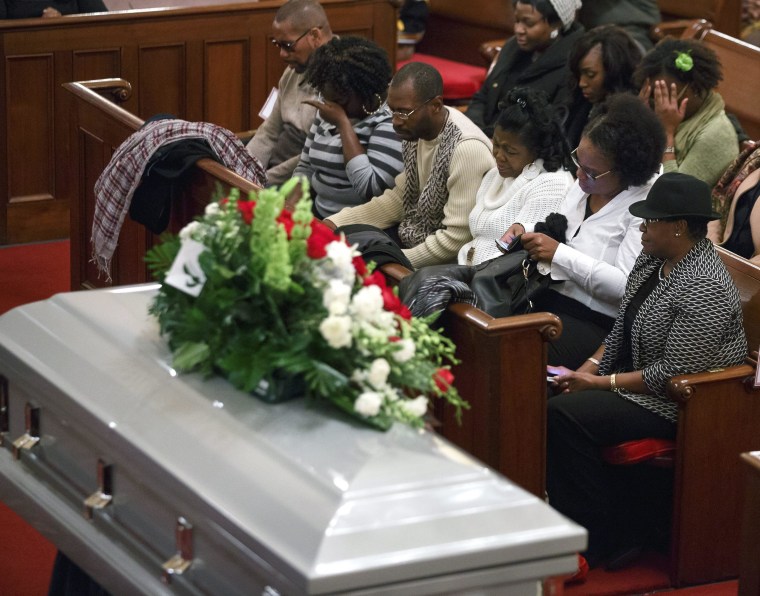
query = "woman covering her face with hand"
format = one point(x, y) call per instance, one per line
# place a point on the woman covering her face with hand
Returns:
point(352, 152)
point(678, 78)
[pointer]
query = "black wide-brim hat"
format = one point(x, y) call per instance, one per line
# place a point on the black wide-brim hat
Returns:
point(676, 196)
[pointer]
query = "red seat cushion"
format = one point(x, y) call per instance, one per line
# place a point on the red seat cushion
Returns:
point(634, 452)
point(460, 80)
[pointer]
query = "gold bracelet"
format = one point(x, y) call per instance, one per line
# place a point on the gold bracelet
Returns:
point(613, 385)
point(594, 360)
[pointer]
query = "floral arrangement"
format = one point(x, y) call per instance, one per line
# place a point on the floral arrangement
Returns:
point(270, 297)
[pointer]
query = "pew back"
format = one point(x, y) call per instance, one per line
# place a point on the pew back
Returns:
point(719, 418)
point(724, 14)
point(740, 87)
point(211, 63)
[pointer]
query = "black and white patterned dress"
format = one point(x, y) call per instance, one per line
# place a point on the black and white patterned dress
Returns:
point(691, 322)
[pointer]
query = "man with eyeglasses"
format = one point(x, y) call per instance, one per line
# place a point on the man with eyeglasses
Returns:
point(445, 158)
point(299, 28)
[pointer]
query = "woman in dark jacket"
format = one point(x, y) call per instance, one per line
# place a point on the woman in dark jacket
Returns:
point(680, 314)
point(28, 9)
point(545, 32)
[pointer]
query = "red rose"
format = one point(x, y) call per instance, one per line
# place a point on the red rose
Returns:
point(443, 379)
point(319, 238)
point(360, 266)
point(246, 210)
point(286, 219)
point(375, 279)
point(393, 303)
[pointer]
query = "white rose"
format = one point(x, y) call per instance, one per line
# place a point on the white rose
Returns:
point(415, 407)
point(212, 209)
point(368, 403)
point(337, 331)
point(405, 351)
point(189, 230)
point(337, 297)
point(367, 303)
point(378, 372)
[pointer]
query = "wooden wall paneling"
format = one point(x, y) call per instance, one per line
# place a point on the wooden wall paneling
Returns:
point(226, 83)
point(162, 80)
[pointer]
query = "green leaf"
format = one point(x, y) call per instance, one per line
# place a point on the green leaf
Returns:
point(190, 354)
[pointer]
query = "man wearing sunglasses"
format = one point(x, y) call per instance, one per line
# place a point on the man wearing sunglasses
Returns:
point(299, 28)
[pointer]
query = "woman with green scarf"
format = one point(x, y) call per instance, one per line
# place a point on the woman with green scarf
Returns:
point(678, 78)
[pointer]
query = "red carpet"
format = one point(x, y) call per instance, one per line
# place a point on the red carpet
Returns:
point(28, 273)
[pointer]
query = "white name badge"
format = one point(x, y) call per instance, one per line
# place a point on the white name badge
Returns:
point(269, 104)
point(185, 273)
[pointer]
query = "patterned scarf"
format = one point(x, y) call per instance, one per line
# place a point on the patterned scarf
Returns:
point(423, 211)
point(723, 192)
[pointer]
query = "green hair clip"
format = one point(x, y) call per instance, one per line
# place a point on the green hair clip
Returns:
point(684, 61)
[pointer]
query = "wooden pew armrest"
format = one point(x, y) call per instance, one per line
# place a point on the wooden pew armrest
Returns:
point(683, 387)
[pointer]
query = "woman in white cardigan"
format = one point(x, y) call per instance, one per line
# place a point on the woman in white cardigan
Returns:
point(529, 180)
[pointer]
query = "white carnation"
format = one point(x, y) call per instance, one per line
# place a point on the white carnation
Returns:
point(341, 254)
point(405, 351)
point(367, 303)
point(378, 373)
point(368, 403)
point(337, 297)
point(415, 407)
point(337, 331)
point(212, 209)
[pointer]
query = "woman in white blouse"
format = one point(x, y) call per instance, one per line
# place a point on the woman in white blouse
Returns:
point(529, 180)
point(617, 161)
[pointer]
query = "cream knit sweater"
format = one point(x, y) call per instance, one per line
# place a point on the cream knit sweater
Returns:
point(471, 160)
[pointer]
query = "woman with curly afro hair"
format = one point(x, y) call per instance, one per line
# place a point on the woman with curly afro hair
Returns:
point(617, 161)
point(352, 152)
point(678, 78)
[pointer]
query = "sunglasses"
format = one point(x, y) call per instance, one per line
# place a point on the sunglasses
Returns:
point(289, 46)
point(589, 175)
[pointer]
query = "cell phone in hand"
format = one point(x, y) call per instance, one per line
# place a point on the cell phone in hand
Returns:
point(505, 248)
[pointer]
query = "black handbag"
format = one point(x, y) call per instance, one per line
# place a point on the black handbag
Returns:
point(506, 285)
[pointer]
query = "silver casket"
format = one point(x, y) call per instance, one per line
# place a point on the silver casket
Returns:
point(156, 483)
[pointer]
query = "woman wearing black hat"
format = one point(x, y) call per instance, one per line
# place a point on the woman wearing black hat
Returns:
point(680, 314)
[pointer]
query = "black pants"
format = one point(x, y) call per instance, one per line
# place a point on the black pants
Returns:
point(583, 329)
point(620, 506)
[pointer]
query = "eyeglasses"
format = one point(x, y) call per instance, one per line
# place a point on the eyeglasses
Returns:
point(589, 175)
point(289, 46)
point(407, 115)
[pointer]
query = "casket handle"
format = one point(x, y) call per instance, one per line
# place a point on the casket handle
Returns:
point(179, 563)
point(102, 497)
point(32, 435)
point(4, 412)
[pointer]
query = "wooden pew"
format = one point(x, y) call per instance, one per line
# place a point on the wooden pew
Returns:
point(209, 63)
point(472, 23)
point(502, 375)
point(725, 15)
point(719, 418)
point(740, 87)
point(749, 575)
point(97, 127)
